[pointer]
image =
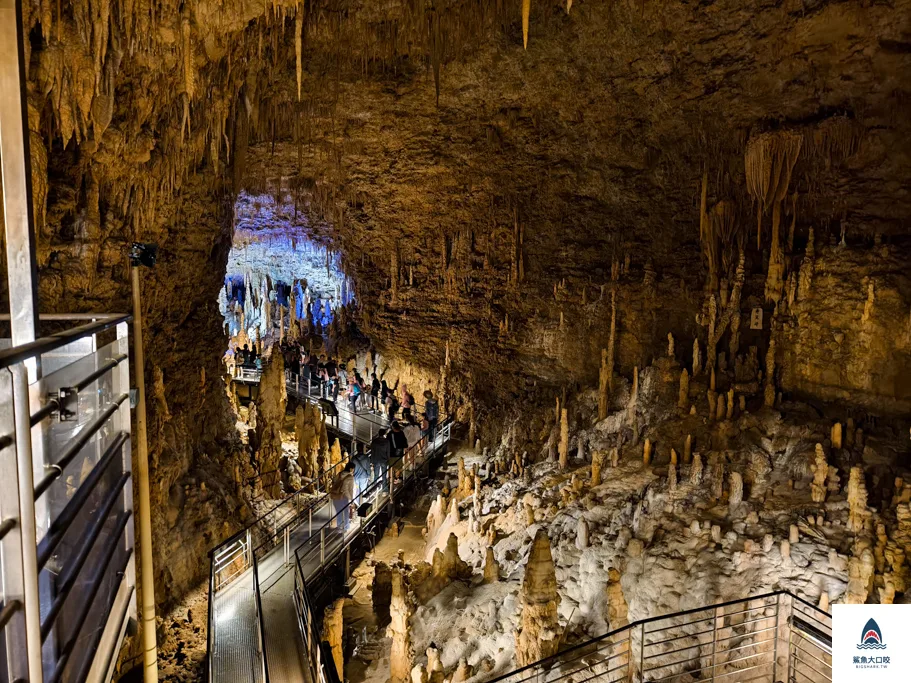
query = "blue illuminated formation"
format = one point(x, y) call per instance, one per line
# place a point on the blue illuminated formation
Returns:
point(275, 260)
point(872, 637)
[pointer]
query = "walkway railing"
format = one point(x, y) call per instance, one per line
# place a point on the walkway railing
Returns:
point(773, 637)
point(300, 521)
point(66, 544)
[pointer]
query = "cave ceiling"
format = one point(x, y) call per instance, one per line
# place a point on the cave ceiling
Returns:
point(422, 137)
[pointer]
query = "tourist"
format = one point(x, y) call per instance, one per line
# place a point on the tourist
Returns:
point(374, 392)
point(379, 458)
point(407, 404)
point(342, 493)
point(244, 356)
point(397, 440)
point(354, 393)
point(412, 432)
point(432, 411)
point(341, 380)
point(361, 471)
point(392, 406)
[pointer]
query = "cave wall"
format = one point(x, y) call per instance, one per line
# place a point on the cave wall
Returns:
point(475, 190)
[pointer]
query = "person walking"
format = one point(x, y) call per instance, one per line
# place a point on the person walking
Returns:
point(361, 472)
point(379, 459)
point(432, 411)
point(407, 404)
point(374, 392)
point(354, 393)
point(342, 493)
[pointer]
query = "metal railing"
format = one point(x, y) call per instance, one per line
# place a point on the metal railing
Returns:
point(310, 513)
point(772, 637)
point(66, 501)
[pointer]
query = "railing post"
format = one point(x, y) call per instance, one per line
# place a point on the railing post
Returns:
point(310, 521)
point(641, 652)
point(249, 549)
point(287, 545)
point(322, 545)
point(714, 639)
point(777, 634)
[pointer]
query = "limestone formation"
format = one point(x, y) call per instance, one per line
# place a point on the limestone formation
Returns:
point(564, 439)
point(683, 399)
point(582, 534)
point(857, 500)
point(836, 435)
point(538, 633)
point(603, 386)
point(401, 659)
point(687, 449)
point(769, 391)
point(333, 631)
point(597, 464)
point(270, 407)
point(820, 471)
point(736, 491)
point(696, 470)
point(381, 592)
point(491, 567)
point(617, 609)
point(647, 452)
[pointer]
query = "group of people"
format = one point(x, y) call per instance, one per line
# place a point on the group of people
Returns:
point(376, 395)
point(248, 358)
point(388, 449)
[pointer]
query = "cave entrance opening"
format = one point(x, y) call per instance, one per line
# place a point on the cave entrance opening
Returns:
point(284, 283)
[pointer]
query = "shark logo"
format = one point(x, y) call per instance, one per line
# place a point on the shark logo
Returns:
point(872, 637)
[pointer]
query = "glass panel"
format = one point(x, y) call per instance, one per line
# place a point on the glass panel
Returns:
point(51, 437)
point(67, 625)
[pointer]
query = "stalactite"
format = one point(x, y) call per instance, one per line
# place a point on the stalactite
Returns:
point(526, 12)
point(611, 342)
point(603, 382)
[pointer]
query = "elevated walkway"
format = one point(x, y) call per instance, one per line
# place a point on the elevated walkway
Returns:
point(285, 556)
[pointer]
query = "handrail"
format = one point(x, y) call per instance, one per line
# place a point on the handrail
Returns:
point(55, 341)
point(76, 444)
point(641, 623)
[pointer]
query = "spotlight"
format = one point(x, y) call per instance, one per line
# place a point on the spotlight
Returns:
point(143, 254)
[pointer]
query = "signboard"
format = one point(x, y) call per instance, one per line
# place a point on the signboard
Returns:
point(756, 319)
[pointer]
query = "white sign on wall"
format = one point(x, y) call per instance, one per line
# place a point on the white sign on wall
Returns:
point(871, 643)
point(756, 319)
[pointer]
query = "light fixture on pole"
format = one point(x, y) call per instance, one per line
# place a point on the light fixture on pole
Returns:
point(144, 255)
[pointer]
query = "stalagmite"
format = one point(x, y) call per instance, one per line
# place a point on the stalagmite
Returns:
point(836, 435)
point(538, 634)
point(794, 534)
point(491, 567)
point(687, 448)
point(697, 361)
point(582, 533)
point(611, 341)
point(857, 500)
point(564, 439)
point(332, 632)
point(696, 470)
point(617, 609)
point(401, 660)
point(820, 471)
point(614, 457)
point(683, 399)
point(270, 406)
point(769, 391)
point(735, 482)
point(603, 388)
point(597, 464)
point(730, 407)
point(785, 549)
point(647, 452)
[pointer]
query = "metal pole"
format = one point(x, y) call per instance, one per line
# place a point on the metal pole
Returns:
point(22, 417)
point(147, 572)
point(775, 647)
point(714, 638)
point(15, 161)
point(322, 545)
